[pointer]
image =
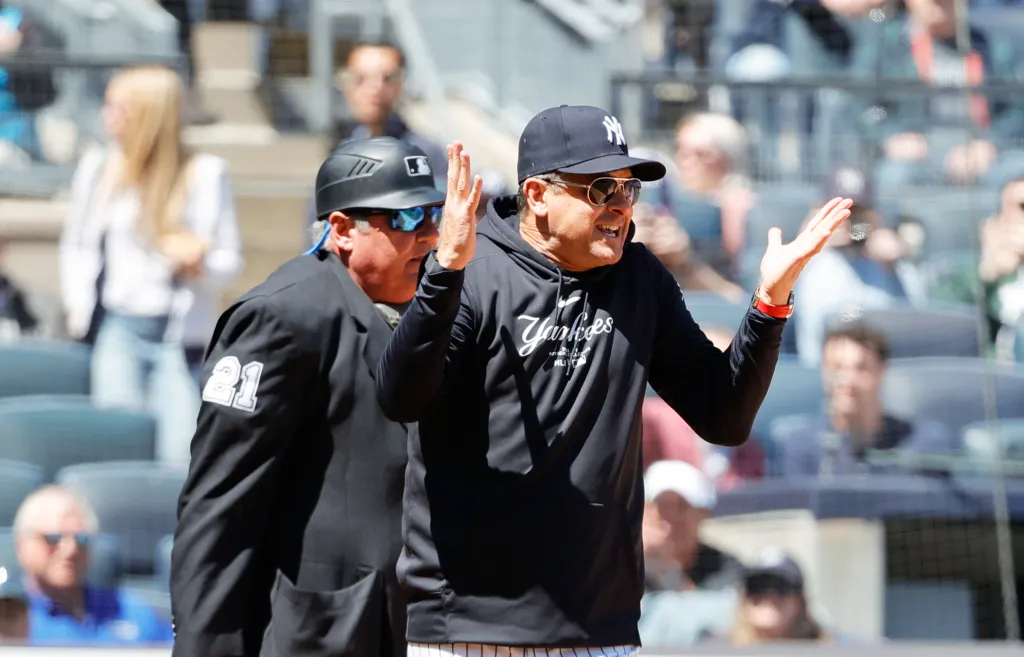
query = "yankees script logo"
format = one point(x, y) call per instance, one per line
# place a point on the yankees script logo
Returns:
point(568, 353)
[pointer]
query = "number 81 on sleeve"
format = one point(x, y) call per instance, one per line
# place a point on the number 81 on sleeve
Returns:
point(223, 385)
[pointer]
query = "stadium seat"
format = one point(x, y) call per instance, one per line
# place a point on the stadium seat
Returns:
point(140, 519)
point(952, 390)
point(795, 389)
point(709, 309)
point(53, 433)
point(44, 368)
point(163, 559)
point(982, 440)
point(17, 480)
point(915, 332)
point(103, 557)
point(784, 206)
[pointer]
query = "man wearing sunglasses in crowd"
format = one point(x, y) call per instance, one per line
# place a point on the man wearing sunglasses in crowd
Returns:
point(524, 358)
point(54, 530)
point(290, 517)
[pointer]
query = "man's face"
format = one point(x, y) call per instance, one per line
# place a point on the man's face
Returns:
point(852, 375)
point(701, 165)
point(372, 82)
point(54, 550)
point(585, 235)
point(385, 262)
point(670, 529)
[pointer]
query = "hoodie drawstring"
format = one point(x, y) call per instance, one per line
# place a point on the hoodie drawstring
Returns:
point(558, 300)
point(576, 336)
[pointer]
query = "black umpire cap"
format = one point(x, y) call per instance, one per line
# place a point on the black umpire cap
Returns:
point(579, 139)
point(380, 173)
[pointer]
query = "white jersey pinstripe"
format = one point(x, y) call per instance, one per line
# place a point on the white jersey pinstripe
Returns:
point(484, 650)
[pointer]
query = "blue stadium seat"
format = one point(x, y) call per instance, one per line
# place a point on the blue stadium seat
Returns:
point(163, 559)
point(917, 332)
point(982, 439)
point(103, 557)
point(783, 206)
point(44, 368)
point(952, 390)
point(709, 309)
point(795, 389)
point(53, 433)
point(17, 480)
point(139, 519)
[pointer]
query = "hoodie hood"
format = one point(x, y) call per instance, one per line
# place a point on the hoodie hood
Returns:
point(501, 227)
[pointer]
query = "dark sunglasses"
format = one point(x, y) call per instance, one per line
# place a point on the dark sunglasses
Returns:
point(53, 540)
point(763, 585)
point(410, 220)
point(601, 190)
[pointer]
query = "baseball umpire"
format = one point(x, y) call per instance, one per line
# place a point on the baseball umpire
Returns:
point(524, 357)
point(290, 517)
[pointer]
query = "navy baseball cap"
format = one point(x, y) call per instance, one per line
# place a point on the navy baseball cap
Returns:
point(579, 139)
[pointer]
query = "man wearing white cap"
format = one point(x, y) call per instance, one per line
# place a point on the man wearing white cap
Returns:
point(678, 498)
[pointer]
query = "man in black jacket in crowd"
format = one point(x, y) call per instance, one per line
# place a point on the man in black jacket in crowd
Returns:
point(289, 522)
point(524, 357)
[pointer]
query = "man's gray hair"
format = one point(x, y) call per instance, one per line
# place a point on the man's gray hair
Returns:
point(521, 195)
point(36, 503)
point(320, 225)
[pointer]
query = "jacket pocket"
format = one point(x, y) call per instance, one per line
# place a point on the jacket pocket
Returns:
point(326, 623)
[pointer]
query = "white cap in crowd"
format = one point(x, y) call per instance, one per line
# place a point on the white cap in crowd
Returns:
point(681, 478)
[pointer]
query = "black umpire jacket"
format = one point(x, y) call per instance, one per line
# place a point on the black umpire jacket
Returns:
point(289, 523)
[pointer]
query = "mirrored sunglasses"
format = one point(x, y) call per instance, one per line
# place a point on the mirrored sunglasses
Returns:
point(54, 539)
point(601, 190)
point(410, 219)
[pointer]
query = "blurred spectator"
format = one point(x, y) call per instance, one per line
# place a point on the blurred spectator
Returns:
point(195, 112)
point(690, 585)
point(855, 423)
point(52, 530)
point(668, 437)
point(151, 239)
point(773, 605)
point(14, 624)
point(22, 91)
point(372, 81)
point(678, 499)
point(864, 265)
point(927, 138)
point(662, 234)
point(998, 278)
point(17, 318)
point(711, 155)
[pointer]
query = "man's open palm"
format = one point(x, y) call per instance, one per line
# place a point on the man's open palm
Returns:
point(782, 263)
point(458, 224)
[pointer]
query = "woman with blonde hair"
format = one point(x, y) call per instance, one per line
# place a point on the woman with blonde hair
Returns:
point(151, 239)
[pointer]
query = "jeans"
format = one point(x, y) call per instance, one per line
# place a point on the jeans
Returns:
point(133, 368)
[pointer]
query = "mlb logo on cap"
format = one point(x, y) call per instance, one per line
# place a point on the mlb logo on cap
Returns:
point(417, 165)
point(579, 139)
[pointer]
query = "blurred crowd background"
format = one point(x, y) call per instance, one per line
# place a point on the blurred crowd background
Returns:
point(157, 159)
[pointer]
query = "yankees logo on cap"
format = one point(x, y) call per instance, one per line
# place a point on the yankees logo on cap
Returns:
point(579, 139)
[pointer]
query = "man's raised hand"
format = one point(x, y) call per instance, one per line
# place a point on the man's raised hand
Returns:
point(458, 223)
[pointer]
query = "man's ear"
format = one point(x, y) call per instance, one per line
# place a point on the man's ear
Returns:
point(342, 229)
point(534, 191)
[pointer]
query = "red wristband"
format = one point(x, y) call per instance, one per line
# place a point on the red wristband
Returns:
point(778, 312)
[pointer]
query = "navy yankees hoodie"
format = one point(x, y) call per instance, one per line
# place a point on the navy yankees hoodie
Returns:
point(524, 489)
